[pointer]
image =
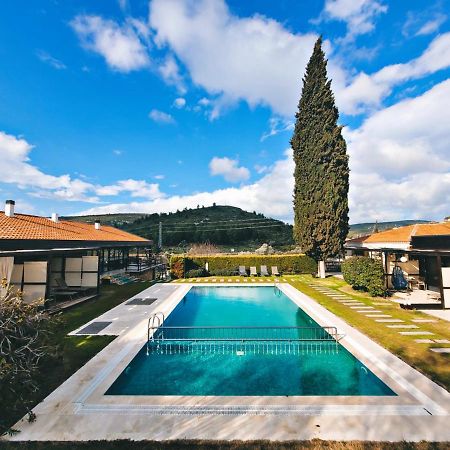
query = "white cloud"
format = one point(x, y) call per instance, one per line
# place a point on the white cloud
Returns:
point(18, 170)
point(170, 72)
point(136, 188)
point(117, 152)
point(234, 58)
point(427, 22)
point(277, 125)
point(160, 116)
point(229, 169)
point(368, 91)
point(179, 102)
point(359, 15)
point(159, 177)
point(432, 25)
point(271, 195)
point(400, 160)
point(400, 168)
point(50, 60)
point(121, 45)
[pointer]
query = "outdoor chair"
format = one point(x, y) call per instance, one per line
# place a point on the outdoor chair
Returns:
point(242, 271)
point(275, 272)
point(253, 272)
point(264, 272)
point(63, 286)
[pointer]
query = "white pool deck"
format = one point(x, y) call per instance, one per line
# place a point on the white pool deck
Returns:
point(79, 410)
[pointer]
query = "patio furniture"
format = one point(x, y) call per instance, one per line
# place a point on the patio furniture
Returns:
point(264, 272)
point(253, 271)
point(275, 272)
point(242, 271)
point(63, 286)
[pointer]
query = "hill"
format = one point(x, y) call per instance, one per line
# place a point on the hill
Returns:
point(221, 225)
point(225, 226)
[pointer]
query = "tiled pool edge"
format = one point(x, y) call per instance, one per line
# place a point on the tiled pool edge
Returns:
point(113, 415)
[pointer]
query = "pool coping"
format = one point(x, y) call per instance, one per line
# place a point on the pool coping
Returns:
point(82, 395)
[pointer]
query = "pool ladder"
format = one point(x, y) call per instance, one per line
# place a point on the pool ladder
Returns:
point(154, 322)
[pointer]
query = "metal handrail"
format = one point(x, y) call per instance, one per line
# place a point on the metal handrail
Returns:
point(155, 317)
point(255, 333)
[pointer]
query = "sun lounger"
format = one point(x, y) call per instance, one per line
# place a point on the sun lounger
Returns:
point(264, 272)
point(242, 271)
point(253, 272)
point(275, 271)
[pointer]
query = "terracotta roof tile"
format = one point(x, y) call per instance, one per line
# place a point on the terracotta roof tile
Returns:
point(403, 234)
point(23, 226)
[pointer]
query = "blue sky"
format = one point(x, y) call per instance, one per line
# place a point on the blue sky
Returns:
point(141, 106)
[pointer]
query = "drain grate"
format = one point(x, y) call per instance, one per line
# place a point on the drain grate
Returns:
point(142, 301)
point(94, 328)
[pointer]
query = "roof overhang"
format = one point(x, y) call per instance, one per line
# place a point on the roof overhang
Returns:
point(41, 244)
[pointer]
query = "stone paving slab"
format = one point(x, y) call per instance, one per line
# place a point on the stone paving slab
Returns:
point(382, 303)
point(424, 341)
point(414, 333)
point(441, 350)
point(378, 315)
point(442, 341)
point(371, 311)
point(402, 326)
point(424, 320)
point(388, 320)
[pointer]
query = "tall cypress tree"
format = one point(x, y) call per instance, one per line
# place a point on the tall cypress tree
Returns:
point(321, 165)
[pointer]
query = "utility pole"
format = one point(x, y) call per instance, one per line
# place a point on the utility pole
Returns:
point(160, 236)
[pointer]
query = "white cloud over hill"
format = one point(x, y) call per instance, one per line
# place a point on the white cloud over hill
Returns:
point(399, 160)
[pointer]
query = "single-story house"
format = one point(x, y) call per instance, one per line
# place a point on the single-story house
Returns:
point(421, 251)
point(59, 259)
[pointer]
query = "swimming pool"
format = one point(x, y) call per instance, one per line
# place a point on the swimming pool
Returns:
point(250, 368)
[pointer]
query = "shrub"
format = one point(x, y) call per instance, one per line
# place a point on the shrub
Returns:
point(223, 272)
point(24, 338)
point(195, 273)
point(177, 268)
point(229, 263)
point(365, 274)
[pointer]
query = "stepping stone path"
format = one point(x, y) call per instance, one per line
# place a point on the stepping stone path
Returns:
point(388, 320)
point(413, 333)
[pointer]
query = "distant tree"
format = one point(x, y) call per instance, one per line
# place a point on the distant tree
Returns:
point(321, 165)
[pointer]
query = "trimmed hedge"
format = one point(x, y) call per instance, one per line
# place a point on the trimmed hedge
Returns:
point(195, 273)
point(229, 263)
point(365, 274)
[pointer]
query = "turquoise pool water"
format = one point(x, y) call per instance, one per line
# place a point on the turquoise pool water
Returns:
point(250, 368)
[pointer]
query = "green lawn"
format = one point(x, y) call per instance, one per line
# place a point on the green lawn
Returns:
point(435, 365)
point(75, 351)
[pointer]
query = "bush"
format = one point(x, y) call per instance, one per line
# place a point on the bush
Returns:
point(365, 274)
point(228, 264)
point(195, 273)
point(177, 268)
point(24, 338)
point(223, 272)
